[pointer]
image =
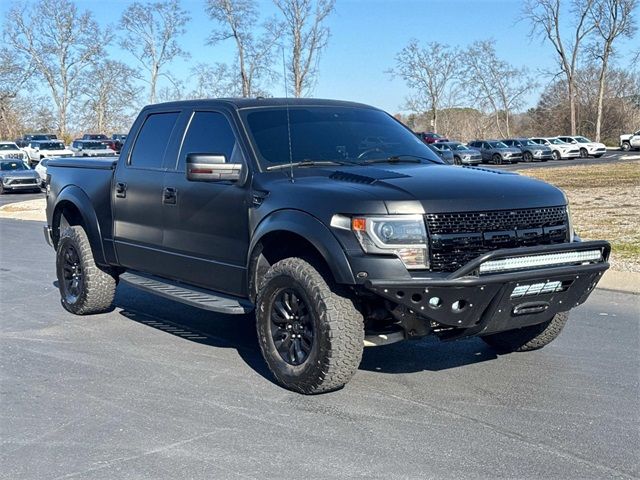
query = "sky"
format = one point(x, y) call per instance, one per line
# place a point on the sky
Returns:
point(365, 37)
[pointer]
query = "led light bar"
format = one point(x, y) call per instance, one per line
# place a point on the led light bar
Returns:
point(544, 260)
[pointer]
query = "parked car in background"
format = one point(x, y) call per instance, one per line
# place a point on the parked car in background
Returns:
point(92, 148)
point(16, 175)
point(462, 154)
point(38, 150)
point(443, 151)
point(586, 146)
point(41, 170)
point(630, 141)
point(559, 149)
point(11, 151)
point(431, 137)
point(94, 136)
point(118, 141)
point(530, 150)
point(24, 141)
point(496, 152)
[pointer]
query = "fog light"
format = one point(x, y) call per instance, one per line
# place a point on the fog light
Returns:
point(435, 302)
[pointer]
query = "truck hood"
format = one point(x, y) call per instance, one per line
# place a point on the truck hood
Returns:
point(423, 188)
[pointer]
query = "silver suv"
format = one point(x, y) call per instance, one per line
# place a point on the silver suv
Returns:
point(496, 152)
point(530, 151)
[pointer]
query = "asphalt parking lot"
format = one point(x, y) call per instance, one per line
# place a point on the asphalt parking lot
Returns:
point(156, 390)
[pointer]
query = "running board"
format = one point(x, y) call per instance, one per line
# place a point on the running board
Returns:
point(194, 296)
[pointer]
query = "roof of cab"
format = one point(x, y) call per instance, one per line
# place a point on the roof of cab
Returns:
point(241, 103)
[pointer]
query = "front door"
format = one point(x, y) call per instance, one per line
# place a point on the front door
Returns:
point(206, 232)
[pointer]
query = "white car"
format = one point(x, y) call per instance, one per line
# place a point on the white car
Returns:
point(586, 146)
point(91, 148)
point(630, 141)
point(11, 151)
point(39, 150)
point(559, 148)
point(41, 169)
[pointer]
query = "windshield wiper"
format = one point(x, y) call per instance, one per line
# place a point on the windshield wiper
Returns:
point(406, 157)
point(305, 163)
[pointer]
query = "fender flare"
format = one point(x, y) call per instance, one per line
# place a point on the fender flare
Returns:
point(312, 230)
point(79, 199)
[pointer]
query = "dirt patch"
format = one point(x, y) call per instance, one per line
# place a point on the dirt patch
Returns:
point(27, 210)
point(605, 204)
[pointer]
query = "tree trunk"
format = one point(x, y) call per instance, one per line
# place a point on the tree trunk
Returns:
point(601, 86)
point(152, 84)
point(572, 104)
point(434, 117)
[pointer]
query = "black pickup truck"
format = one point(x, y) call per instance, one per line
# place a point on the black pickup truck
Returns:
point(337, 241)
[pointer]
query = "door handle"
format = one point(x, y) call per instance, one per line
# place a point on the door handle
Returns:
point(121, 190)
point(169, 196)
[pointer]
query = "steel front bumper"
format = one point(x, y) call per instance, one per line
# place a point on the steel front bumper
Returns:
point(483, 303)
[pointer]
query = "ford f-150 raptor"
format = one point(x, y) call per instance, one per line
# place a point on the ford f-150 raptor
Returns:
point(283, 207)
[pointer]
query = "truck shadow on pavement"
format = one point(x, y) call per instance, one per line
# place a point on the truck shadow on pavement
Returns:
point(238, 332)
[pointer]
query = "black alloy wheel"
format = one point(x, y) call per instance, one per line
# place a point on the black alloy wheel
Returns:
point(556, 155)
point(528, 157)
point(292, 326)
point(584, 153)
point(72, 274)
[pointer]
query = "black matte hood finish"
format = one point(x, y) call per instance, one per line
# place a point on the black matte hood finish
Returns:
point(407, 188)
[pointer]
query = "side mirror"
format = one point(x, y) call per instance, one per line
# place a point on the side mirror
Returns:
point(205, 167)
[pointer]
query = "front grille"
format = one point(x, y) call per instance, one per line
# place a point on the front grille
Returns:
point(21, 181)
point(457, 238)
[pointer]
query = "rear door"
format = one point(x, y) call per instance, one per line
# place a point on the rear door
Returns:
point(206, 227)
point(137, 195)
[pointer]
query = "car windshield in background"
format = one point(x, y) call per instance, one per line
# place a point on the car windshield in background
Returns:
point(459, 146)
point(40, 137)
point(557, 141)
point(94, 146)
point(529, 143)
point(8, 146)
point(10, 166)
point(498, 145)
point(583, 140)
point(339, 134)
point(51, 146)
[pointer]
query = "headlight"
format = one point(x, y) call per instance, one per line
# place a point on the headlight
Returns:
point(537, 153)
point(466, 157)
point(401, 235)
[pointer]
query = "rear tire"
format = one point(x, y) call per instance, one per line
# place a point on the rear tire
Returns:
point(326, 351)
point(528, 338)
point(84, 287)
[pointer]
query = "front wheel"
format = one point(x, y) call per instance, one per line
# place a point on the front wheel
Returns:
point(84, 287)
point(497, 159)
point(626, 146)
point(311, 336)
point(457, 161)
point(527, 157)
point(528, 338)
point(584, 153)
point(556, 155)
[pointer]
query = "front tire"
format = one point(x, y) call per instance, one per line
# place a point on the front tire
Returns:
point(528, 338)
point(84, 287)
point(497, 159)
point(527, 157)
point(311, 336)
point(556, 155)
point(584, 153)
point(457, 161)
point(626, 146)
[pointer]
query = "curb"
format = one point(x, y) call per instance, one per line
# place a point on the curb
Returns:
point(627, 282)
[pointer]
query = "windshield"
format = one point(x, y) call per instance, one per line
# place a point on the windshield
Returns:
point(583, 140)
point(8, 146)
point(342, 134)
point(442, 146)
point(51, 146)
point(529, 143)
point(557, 141)
point(459, 146)
point(498, 145)
point(40, 137)
point(10, 166)
point(93, 146)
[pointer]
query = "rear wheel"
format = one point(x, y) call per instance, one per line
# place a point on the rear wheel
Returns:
point(311, 336)
point(497, 159)
point(84, 287)
point(528, 338)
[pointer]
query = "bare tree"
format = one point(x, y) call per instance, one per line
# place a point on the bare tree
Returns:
point(612, 19)
point(60, 42)
point(214, 81)
point(430, 72)
point(110, 97)
point(545, 19)
point(152, 31)
point(307, 36)
point(493, 84)
point(14, 75)
point(238, 20)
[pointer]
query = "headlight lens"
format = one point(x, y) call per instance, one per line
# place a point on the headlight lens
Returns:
point(401, 235)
